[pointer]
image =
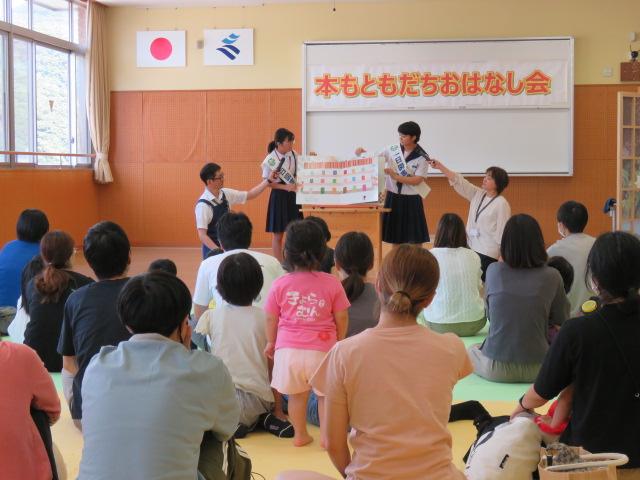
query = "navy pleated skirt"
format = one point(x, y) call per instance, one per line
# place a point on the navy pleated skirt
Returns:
point(405, 223)
point(282, 210)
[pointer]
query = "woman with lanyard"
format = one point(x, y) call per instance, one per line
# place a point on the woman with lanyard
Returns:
point(281, 161)
point(488, 210)
point(405, 171)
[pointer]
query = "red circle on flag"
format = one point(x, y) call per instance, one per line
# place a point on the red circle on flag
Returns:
point(161, 48)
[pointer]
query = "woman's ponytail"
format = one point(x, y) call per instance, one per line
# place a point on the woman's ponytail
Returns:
point(56, 248)
point(353, 285)
point(400, 302)
point(271, 147)
point(354, 256)
point(51, 283)
point(407, 279)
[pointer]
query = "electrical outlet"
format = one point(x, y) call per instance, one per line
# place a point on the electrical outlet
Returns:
point(607, 72)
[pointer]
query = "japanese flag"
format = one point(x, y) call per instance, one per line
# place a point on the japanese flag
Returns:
point(161, 48)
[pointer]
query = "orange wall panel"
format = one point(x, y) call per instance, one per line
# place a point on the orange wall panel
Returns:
point(122, 200)
point(170, 194)
point(238, 127)
point(126, 128)
point(173, 126)
point(68, 197)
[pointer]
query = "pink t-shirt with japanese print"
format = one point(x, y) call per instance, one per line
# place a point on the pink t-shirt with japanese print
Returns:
point(305, 303)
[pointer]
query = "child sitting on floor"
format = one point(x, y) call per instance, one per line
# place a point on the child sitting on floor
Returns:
point(306, 315)
point(327, 263)
point(238, 334)
point(168, 266)
point(565, 270)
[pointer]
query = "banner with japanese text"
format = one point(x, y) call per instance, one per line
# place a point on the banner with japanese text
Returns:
point(332, 181)
point(439, 85)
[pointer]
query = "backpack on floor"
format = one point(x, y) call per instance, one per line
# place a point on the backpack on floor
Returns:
point(511, 451)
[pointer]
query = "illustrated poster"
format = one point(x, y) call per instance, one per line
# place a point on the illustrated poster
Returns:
point(331, 181)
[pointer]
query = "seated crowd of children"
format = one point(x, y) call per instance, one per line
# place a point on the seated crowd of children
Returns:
point(160, 383)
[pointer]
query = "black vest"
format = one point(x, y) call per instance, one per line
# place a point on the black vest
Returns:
point(219, 209)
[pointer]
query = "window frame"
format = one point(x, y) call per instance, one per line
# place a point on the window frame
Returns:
point(76, 52)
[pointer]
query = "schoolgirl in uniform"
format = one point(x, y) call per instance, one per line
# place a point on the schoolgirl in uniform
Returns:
point(282, 203)
point(406, 167)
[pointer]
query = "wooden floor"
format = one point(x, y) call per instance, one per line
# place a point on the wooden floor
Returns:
point(187, 259)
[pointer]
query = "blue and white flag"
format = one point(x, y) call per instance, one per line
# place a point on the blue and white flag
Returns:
point(228, 46)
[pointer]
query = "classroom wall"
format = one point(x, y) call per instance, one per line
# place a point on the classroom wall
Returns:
point(159, 140)
point(600, 30)
point(166, 123)
point(68, 197)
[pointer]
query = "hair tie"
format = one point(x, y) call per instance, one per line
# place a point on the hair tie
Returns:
point(402, 292)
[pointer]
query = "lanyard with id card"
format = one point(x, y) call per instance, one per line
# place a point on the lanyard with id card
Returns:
point(474, 232)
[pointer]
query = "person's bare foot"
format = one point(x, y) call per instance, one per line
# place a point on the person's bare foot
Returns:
point(302, 440)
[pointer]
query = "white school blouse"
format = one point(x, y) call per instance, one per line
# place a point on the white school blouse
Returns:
point(289, 163)
point(485, 233)
point(418, 167)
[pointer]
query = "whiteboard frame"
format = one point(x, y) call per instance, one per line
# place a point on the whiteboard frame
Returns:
point(570, 39)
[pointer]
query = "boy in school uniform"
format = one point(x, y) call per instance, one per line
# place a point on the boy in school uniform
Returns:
point(215, 202)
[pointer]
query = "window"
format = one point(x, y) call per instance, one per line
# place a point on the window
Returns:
point(42, 82)
point(4, 132)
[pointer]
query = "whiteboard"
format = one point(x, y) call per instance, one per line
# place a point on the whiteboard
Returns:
point(523, 140)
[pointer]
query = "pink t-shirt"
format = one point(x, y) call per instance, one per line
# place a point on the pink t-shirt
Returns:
point(396, 385)
point(25, 383)
point(305, 303)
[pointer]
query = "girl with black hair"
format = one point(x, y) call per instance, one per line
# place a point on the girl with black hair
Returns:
point(306, 315)
point(597, 354)
point(406, 170)
point(354, 260)
point(281, 161)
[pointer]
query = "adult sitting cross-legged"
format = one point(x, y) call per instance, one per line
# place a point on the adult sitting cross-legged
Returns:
point(89, 320)
point(596, 356)
point(149, 402)
point(525, 299)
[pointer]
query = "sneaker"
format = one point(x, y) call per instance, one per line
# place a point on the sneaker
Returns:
point(241, 431)
point(277, 427)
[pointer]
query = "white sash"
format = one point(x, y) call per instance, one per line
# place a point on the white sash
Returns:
point(398, 162)
point(272, 161)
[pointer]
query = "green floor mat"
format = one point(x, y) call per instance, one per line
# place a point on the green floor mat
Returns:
point(475, 388)
point(57, 380)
